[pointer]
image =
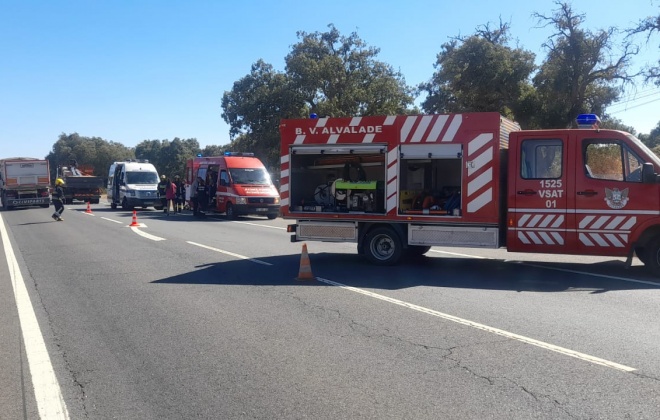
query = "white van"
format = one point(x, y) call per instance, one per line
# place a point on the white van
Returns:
point(133, 183)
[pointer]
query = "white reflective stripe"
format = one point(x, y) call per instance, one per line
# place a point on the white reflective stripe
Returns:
point(480, 141)
point(585, 240)
point(389, 120)
point(333, 138)
point(523, 219)
point(453, 128)
point(480, 201)
point(299, 139)
point(614, 240)
point(480, 161)
point(355, 121)
point(558, 222)
point(600, 222)
point(558, 238)
point(584, 222)
point(535, 220)
point(477, 183)
point(523, 238)
point(437, 128)
point(421, 129)
point(407, 126)
point(614, 223)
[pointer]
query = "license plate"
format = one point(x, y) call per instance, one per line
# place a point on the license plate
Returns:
point(262, 209)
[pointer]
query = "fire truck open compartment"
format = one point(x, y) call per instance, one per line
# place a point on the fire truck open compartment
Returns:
point(338, 179)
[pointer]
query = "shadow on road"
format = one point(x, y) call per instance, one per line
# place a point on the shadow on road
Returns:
point(441, 272)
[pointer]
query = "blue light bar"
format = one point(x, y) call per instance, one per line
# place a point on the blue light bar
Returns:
point(587, 121)
point(238, 154)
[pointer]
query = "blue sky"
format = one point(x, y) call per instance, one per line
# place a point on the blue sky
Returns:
point(128, 71)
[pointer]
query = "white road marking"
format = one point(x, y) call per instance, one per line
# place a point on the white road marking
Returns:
point(146, 235)
point(111, 220)
point(89, 214)
point(47, 392)
point(586, 273)
point(492, 330)
point(243, 257)
point(260, 225)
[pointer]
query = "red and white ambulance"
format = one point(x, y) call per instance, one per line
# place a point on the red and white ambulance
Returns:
point(237, 184)
point(401, 184)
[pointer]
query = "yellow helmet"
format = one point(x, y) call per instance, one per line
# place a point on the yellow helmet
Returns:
point(59, 181)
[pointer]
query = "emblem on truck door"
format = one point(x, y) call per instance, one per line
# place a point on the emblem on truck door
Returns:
point(615, 198)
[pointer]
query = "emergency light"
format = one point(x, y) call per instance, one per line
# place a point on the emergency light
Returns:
point(238, 154)
point(587, 121)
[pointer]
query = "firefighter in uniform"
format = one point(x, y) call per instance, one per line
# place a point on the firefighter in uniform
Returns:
point(58, 200)
point(200, 197)
point(162, 188)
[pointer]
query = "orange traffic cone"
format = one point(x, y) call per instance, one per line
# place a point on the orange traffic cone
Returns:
point(89, 208)
point(134, 223)
point(305, 272)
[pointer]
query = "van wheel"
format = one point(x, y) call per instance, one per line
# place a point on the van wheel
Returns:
point(383, 246)
point(651, 258)
point(230, 212)
point(113, 205)
point(272, 216)
point(124, 204)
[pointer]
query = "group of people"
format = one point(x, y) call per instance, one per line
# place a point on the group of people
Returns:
point(172, 194)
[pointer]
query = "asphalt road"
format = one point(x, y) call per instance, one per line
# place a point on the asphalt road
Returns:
point(184, 318)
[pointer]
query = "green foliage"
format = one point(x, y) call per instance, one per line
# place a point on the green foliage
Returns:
point(92, 151)
point(169, 157)
point(578, 75)
point(326, 73)
point(479, 73)
point(340, 76)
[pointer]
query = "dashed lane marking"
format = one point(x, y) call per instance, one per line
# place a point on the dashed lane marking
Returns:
point(243, 257)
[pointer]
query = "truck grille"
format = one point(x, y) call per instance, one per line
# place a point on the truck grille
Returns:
point(261, 200)
point(147, 194)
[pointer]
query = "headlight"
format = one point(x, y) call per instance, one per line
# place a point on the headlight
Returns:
point(277, 200)
point(130, 193)
point(241, 200)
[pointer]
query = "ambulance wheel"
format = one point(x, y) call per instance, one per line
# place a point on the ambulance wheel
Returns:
point(383, 246)
point(652, 258)
point(230, 212)
point(113, 205)
point(272, 216)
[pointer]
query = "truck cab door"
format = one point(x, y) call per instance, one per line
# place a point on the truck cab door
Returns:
point(611, 198)
point(538, 181)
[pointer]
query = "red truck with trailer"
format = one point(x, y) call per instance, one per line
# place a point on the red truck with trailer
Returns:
point(238, 184)
point(24, 182)
point(397, 185)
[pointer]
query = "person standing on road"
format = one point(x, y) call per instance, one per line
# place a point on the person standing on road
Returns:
point(162, 187)
point(180, 200)
point(170, 196)
point(58, 199)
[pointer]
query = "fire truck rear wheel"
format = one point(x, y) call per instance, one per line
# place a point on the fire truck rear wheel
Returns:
point(383, 246)
point(652, 258)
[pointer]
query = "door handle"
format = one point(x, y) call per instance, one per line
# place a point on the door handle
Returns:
point(588, 193)
point(527, 192)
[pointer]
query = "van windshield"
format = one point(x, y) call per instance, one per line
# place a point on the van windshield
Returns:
point(250, 176)
point(141, 178)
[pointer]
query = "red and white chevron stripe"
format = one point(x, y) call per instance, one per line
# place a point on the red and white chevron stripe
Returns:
point(605, 231)
point(541, 229)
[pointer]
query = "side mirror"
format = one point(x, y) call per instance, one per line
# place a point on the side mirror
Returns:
point(648, 174)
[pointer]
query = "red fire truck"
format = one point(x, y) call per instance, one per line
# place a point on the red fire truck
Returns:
point(237, 184)
point(398, 185)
